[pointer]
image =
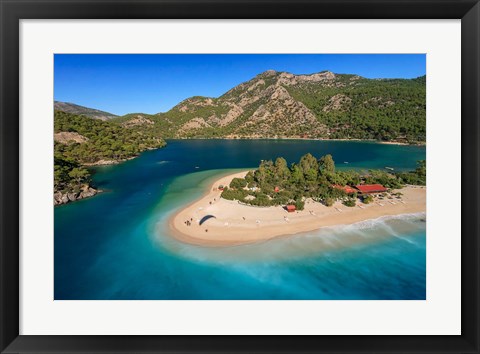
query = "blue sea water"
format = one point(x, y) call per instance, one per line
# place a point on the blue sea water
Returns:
point(116, 245)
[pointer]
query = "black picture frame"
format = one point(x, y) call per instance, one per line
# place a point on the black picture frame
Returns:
point(12, 11)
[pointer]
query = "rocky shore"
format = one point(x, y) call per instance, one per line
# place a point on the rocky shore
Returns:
point(64, 197)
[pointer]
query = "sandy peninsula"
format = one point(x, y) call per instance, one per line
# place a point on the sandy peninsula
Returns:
point(225, 222)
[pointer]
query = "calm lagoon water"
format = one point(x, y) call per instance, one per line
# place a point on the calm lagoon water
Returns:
point(116, 245)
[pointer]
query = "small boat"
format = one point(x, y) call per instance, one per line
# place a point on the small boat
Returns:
point(345, 162)
point(390, 168)
point(197, 167)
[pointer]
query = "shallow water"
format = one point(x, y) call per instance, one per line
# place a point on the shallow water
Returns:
point(116, 245)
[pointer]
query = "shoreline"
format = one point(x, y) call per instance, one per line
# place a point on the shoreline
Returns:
point(109, 162)
point(230, 223)
point(307, 139)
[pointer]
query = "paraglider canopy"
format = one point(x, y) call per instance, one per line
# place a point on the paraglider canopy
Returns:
point(205, 218)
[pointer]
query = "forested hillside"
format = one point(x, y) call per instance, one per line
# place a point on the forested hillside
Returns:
point(368, 109)
point(322, 105)
point(81, 141)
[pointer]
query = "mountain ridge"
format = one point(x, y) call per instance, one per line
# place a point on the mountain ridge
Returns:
point(277, 104)
point(73, 108)
point(321, 105)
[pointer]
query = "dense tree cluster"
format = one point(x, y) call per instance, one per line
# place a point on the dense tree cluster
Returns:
point(104, 140)
point(69, 176)
point(419, 176)
point(375, 109)
point(276, 183)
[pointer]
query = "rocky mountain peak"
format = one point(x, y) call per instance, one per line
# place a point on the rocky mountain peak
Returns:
point(321, 76)
point(268, 73)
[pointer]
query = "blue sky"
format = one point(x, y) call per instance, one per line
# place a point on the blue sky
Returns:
point(152, 83)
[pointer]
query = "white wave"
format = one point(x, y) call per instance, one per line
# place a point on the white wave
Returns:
point(373, 223)
point(404, 239)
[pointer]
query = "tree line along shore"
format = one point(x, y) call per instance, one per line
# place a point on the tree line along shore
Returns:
point(276, 183)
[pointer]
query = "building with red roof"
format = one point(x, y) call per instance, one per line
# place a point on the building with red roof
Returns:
point(370, 188)
point(346, 189)
point(291, 208)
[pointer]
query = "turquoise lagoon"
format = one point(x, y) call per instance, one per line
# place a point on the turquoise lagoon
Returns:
point(116, 246)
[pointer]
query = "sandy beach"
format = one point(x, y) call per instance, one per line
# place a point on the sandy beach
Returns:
point(232, 223)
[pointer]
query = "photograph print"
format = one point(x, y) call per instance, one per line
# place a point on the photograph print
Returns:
point(239, 177)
